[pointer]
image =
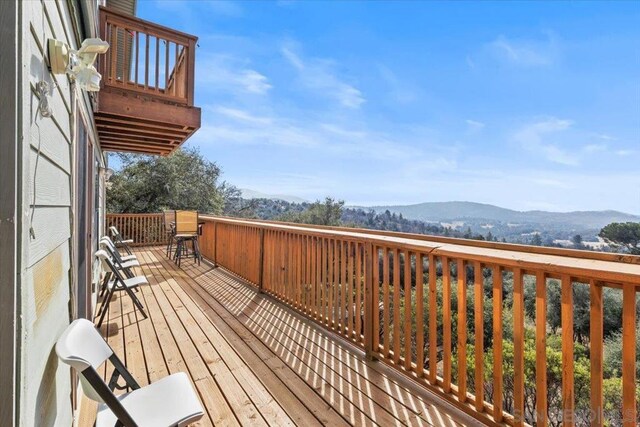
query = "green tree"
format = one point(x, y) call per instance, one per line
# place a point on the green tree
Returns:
point(536, 240)
point(327, 212)
point(623, 235)
point(577, 241)
point(182, 180)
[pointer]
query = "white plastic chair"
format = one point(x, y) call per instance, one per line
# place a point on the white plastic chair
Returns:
point(124, 263)
point(119, 283)
point(171, 401)
point(117, 237)
point(123, 258)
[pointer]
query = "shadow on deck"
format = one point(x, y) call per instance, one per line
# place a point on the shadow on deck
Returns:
point(252, 360)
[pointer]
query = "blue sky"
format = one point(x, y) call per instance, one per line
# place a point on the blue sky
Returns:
point(523, 105)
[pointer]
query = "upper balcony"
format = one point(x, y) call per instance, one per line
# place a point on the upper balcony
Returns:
point(145, 104)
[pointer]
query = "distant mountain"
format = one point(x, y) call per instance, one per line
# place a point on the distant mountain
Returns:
point(452, 211)
point(251, 194)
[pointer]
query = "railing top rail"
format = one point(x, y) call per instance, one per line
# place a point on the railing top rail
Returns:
point(143, 26)
point(607, 268)
point(133, 215)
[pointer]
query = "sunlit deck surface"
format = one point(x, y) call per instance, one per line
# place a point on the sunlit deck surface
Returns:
point(252, 360)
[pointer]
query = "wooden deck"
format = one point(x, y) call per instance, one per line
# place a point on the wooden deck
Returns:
point(252, 360)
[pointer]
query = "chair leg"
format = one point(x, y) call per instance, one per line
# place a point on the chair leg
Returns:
point(197, 250)
point(105, 283)
point(105, 306)
point(136, 301)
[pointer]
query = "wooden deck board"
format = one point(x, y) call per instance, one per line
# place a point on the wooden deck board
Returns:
point(252, 360)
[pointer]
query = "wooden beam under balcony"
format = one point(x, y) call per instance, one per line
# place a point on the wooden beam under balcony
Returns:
point(145, 104)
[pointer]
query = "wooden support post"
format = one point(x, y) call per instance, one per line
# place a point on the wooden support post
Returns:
point(369, 302)
point(261, 261)
point(215, 244)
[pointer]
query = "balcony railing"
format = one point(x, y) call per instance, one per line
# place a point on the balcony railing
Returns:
point(451, 314)
point(146, 103)
point(147, 58)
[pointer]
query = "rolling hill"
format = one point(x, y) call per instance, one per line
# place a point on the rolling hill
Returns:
point(460, 211)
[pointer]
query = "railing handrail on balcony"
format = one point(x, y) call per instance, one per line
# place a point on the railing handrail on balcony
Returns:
point(612, 268)
point(359, 283)
point(137, 61)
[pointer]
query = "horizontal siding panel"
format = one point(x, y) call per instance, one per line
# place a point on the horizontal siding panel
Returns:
point(51, 226)
point(39, 36)
point(60, 106)
point(61, 19)
point(50, 183)
point(48, 137)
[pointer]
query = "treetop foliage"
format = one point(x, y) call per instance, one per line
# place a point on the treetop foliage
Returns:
point(623, 235)
point(182, 180)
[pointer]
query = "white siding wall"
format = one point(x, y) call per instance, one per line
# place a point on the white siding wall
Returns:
point(47, 182)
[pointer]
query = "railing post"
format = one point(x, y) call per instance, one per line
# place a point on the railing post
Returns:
point(261, 261)
point(368, 301)
point(215, 244)
point(191, 61)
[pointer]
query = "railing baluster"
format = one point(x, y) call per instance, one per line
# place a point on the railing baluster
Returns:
point(419, 315)
point(596, 339)
point(343, 287)
point(407, 310)
point(446, 325)
point(137, 55)
point(396, 306)
point(629, 410)
point(376, 299)
point(146, 62)
point(358, 331)
point(114, 53)
point(166, 65)
point(462, 331)
point(541, 349)
point(350, 289)
point(386, 319)
point(567, 350)
point(478, 344)
point(433, 326)
point(496, 276)
point(518, 348)
point(157, 86)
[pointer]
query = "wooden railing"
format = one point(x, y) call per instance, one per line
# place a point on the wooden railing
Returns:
point(143, 229)
point(451, 314)
point(147, 58)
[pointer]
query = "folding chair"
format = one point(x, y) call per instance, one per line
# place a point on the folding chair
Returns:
point(119, 241)
point(170, 228)
point(113, 281)
point(170, 401)
point(122, 258)
point(124, 263)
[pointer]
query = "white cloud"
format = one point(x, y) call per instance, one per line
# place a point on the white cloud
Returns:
point(528, 53)
point(320, 76)
point(229, 74)
point(474, 125)
point(241, 115)
point(532, 138)
point(625, 153)
point(595, 148)
point(398, 88)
